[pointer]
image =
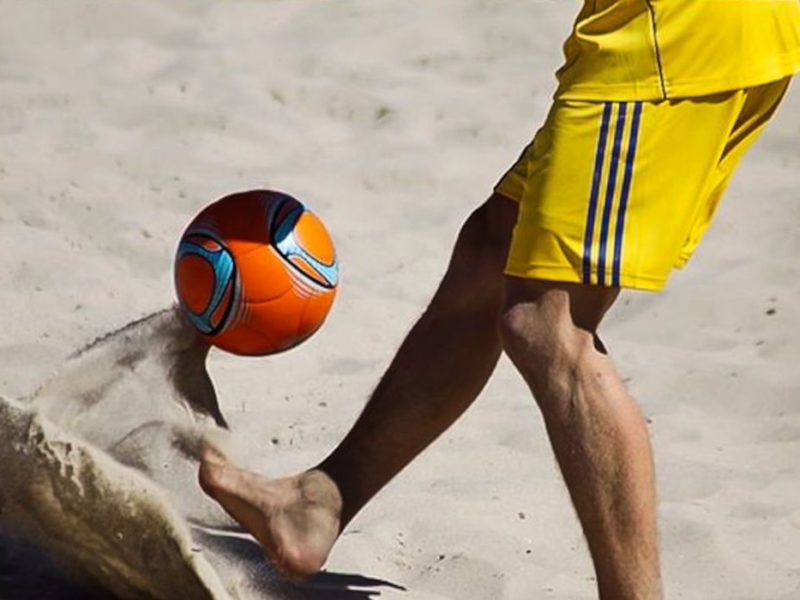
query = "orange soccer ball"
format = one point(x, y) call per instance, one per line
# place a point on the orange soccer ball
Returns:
point(256, 272)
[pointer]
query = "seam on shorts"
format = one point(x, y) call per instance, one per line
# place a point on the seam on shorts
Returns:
point(657, 46)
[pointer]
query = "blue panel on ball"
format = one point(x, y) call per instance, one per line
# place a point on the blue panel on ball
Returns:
point(224, 269)
point(329, 273)
point(284, 240)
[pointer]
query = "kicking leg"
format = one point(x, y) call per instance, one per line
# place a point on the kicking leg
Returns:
point(595, 428)
point(438, 371)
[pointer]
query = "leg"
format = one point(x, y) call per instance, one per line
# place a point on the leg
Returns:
point(597, 433)
point(438, 371)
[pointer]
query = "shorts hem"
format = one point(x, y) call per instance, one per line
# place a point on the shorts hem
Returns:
point(569, 275)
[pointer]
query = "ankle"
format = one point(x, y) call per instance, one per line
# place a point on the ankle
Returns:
point(318, 488)
point(344, 479)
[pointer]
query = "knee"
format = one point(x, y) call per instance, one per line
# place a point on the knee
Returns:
point(542, 341)
point(534, 341)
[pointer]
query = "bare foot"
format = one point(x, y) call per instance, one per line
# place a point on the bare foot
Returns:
point(296, 519)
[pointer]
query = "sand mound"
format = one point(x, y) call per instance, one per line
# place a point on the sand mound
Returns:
point(142, 395)
point(97, 514)
point(99, 467)
point(99, 471)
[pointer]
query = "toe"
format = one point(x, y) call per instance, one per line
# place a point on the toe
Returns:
point(211, 454)
point(222, 481)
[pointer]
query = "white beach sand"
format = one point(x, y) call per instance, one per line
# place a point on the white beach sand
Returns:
point(118, 121)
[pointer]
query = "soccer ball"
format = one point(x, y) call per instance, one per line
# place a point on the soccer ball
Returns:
point(256, 272)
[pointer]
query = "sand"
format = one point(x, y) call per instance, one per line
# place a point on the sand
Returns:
point(392, 120)
point(99, 467)
point(108, 521)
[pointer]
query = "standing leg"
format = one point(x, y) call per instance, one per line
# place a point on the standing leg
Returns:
point(596, 431)
point(438, 371)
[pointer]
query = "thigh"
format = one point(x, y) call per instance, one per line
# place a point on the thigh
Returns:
point(474, 276)
point(486, 234)
point(498, 215)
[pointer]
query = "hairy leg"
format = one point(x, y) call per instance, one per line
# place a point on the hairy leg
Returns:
point(439, 369)
point(436, 374)
point(597, 433)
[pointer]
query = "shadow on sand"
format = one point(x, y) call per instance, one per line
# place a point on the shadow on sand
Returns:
point(27, 572)
point(327, 585)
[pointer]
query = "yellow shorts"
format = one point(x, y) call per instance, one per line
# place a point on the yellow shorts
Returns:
point(619, 193)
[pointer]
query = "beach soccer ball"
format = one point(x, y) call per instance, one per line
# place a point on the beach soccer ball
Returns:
point(256, 272)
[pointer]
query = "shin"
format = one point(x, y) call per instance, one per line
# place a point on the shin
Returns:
point(595, 428)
